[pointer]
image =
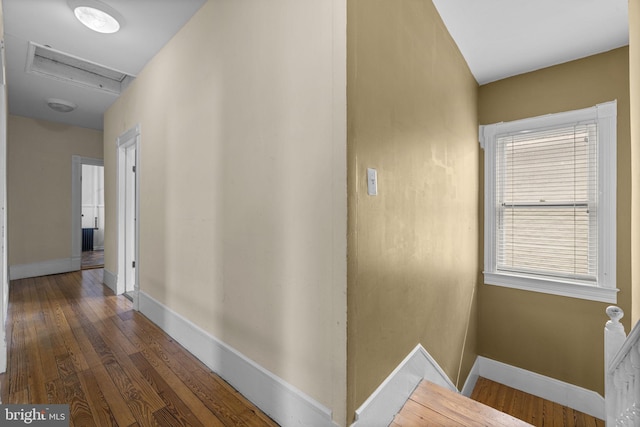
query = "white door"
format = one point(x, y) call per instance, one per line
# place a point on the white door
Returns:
point(130, 218)
point(128, 213)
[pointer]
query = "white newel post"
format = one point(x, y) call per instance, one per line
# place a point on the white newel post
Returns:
point(614, 337)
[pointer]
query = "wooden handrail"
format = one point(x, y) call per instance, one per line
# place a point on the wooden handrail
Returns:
point(632, 339)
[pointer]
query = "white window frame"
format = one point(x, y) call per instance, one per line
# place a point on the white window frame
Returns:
point(605, 288)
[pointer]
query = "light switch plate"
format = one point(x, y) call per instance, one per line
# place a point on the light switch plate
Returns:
point(372, 182)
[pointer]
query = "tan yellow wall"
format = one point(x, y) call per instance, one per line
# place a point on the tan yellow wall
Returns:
point(39, 186)
point(558, 336)
point(413, 249)
point(243, 184)
point(634, 90)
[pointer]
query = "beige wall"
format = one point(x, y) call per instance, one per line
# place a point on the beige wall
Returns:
point(634, 89)
point(39, 186)
point(413, 249)
point(2, 18)
point(243, 184)
point(558, 336)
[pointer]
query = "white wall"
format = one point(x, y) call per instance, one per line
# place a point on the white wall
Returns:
point(242, 174)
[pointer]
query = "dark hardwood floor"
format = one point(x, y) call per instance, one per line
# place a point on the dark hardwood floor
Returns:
point(72, 341)
point(532, 409)
point(92, 259)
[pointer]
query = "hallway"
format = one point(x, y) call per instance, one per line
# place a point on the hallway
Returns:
point(72, 341)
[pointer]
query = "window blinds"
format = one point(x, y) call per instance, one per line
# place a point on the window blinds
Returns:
point(546, 202)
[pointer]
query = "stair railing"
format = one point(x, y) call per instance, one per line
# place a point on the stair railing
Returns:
point(622, 371)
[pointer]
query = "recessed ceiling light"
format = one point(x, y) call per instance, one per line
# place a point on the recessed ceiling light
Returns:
point(97, 19)
point(60, 105)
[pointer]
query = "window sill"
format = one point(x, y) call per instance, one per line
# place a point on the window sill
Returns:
point(553, 287)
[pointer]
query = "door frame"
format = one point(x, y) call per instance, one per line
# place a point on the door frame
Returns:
point(4, 265)
point(76, 206)
point(128, 140)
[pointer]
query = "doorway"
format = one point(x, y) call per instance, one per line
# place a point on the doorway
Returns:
point(92, 216)
point(128, 213)
point(78, 221)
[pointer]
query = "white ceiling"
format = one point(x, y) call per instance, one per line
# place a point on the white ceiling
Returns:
point(503, 38)
point(148, 25)
point(498, 38)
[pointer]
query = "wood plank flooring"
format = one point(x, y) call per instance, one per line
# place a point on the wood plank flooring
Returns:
point(432, 405)
point(493, 404)
point(532, 409)
point(92, 259)
point(72, 341)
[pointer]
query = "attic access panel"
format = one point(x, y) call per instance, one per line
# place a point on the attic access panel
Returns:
point(57, 65)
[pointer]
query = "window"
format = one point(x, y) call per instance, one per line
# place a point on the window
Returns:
point(550, 203)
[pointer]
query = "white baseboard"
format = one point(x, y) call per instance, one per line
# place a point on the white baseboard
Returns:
point(472, 379)
point(284, 403)
point(3, 356)
point(382, 406)
point(566, 394)
point(44, 268)
point(110, 280)
point(76, 263)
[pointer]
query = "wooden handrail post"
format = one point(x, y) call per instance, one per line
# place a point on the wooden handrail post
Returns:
point(614, 337)
point(614, 334)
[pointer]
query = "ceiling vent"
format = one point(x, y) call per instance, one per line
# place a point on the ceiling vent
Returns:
point(51, 63)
